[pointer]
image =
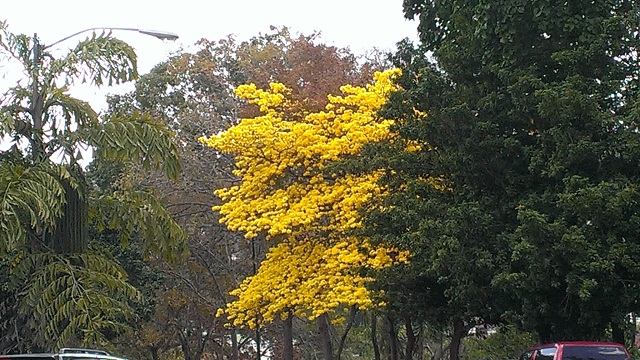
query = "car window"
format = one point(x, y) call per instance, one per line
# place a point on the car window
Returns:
point(545, 353)
point(82, 351)
point(593, 353)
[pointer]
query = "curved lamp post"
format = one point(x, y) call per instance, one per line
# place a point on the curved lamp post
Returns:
point(162, 35)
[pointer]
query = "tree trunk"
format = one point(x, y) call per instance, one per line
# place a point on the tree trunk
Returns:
point(343, 338)
point(184, 345)
point(617, 333)
point(234, 344)
point(325, 336)
point(70, 235)
point(287, 352)
point(456, 339)
point(374, 336)
point(153, 350)
point(393, 339)
point(36, 108)
point(411, 338)
point(202, 345)
point(420, 343)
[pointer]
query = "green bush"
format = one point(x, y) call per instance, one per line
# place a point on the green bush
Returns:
point(506, 343)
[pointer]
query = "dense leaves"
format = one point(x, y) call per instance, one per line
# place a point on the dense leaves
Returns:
point(87, 292)
point(529, 107)
point(62, 288)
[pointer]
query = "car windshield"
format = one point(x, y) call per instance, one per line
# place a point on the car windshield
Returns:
point(593, 353)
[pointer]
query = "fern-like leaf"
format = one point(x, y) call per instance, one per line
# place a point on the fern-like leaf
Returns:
point(137, 138)
point(30, 199)
point(100, 59)
point(139, 212)
point(76, 296)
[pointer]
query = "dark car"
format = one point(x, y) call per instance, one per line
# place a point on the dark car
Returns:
point(577, 350)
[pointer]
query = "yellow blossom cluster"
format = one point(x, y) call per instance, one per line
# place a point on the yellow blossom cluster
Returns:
point(308, 279)
point(266, 100)
point(281, 161)
point(288, 193)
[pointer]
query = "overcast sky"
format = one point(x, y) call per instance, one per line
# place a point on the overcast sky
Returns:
point(358, 24)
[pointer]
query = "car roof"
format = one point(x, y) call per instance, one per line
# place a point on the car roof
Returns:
point(67, 354)
point(88, 356)
point(576, 343)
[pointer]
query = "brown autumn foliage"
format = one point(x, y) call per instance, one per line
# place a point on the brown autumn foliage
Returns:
point(309, 68)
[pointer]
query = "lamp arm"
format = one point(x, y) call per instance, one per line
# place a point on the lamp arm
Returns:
point(158, 34)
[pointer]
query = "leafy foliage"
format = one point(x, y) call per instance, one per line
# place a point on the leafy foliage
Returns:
point(307, 279)
point(63, 289)
point(505, 343)
point(281, 157)
point(136, 138)
point(145, 217)
point(99, 59)
point(74, 298)
point(30, 196)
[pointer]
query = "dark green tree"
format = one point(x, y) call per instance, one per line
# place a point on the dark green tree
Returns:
point(531, 131)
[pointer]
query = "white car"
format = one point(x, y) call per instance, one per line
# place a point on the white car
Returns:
point(66, 354)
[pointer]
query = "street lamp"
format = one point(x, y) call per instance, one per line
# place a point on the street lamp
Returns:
point(162, 35)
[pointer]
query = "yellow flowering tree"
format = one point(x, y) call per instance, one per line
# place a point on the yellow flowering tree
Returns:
point(288, 193)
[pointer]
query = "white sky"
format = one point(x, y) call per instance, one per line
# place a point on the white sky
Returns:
point(358, 24)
